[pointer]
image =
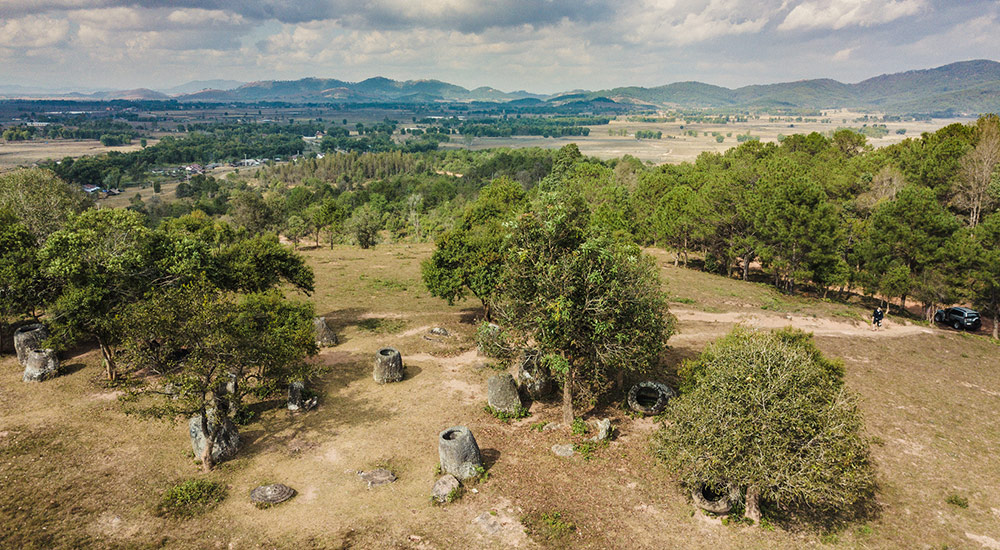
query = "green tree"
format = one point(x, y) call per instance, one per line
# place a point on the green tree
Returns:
point(986, 279)
point(100, 262)
point(469, 258)
point(365, 223)
point(908, 235)
point(769, 417)
point(679, 220)
point(296, 229)
point(39, 200)
point(592, 305)
point(206, 345)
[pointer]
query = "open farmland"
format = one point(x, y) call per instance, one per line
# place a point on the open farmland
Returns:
point(77, 472)
point(25, 153)
point(678, 146)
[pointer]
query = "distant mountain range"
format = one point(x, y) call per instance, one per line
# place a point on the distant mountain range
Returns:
point(967, 87)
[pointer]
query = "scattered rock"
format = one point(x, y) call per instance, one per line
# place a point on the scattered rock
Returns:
point(27, 338)
point(269, 495)
point(563, 450)
point(459, 453)
point(649, 397)
point(501, 393)
point(535, 379)
point(551, 426)
point(444, 487)
point(377, 477)
point(438, 331)
point(325, 337)
point(388, 366)
point(40, 364)
point(604, 430)
point(227, 442)
point(488, 523)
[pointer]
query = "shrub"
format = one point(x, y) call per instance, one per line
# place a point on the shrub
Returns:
point(767, 411)
point(520, 412)
point(493, 342)
point(190, 498)
point(957, 500)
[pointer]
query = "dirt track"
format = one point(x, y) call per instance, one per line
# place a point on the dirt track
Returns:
point(692, 325)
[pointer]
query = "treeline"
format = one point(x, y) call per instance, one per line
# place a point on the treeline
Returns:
point(517, 126)
point(79, 128)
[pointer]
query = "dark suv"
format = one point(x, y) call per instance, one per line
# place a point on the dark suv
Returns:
point(959, 318)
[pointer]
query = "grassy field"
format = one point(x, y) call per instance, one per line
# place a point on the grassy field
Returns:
point(76, 472)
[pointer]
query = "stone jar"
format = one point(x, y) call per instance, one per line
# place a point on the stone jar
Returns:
point(459, 453)
point(388, 366)
point(501, 393)
point(40, 364)
point(27, 338)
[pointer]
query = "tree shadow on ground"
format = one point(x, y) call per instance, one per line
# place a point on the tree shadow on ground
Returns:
point(335, 410)
point(490, 457)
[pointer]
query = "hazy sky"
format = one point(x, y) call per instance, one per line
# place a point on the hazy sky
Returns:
point(540, 45)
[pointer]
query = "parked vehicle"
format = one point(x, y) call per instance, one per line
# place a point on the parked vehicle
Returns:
point(959, 318)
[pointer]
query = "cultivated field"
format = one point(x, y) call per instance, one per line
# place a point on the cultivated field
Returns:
point(675, 146)
point(14, 154)
point(76, 472)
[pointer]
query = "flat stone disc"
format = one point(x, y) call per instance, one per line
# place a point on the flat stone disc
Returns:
point(271, 494)
point(377, 477)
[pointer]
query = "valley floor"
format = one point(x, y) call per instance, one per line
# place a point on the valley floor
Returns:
point(76, 472)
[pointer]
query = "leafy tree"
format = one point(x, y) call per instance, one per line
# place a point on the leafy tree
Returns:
point(987, 273)
point(39, 200)
point(365, 223)
point(469, 258)
point(331, 215)
point(206, 345)
point(770, 418)
point(593, 305)
point(977, 169)
point(257, 264)
point(679, 220)
point(296, 229)
point(100, 262)
point(22, 287)
point(797, 226)
point(906, 237)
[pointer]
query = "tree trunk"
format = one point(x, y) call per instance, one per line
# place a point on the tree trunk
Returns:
point(746, 267)
point(902, 305)
point(995, 328)
point(567, 404)
point(752, 510)
point(108, 356)
point(206, 454)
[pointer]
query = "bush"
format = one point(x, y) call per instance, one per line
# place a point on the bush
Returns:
point(191, 498)
point(492, 341)
point(767, 411)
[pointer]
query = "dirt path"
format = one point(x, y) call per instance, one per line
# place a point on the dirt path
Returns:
point(692, 325)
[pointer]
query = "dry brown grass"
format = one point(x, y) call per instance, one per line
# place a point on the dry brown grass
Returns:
point(14, 154)
point(76, 472)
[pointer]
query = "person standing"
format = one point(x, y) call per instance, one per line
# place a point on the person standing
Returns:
point(877, 316)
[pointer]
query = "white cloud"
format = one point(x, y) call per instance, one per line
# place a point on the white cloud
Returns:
point(843, 55)
point(33, 32)
point(838, 14)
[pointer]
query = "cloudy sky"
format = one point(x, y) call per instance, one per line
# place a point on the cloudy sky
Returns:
point(538, 45)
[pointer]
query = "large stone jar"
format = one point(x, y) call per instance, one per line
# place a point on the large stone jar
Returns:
point(459, 453)
point(40, 364)
point(501, 392)
point(27, 338)
point(388, 366)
